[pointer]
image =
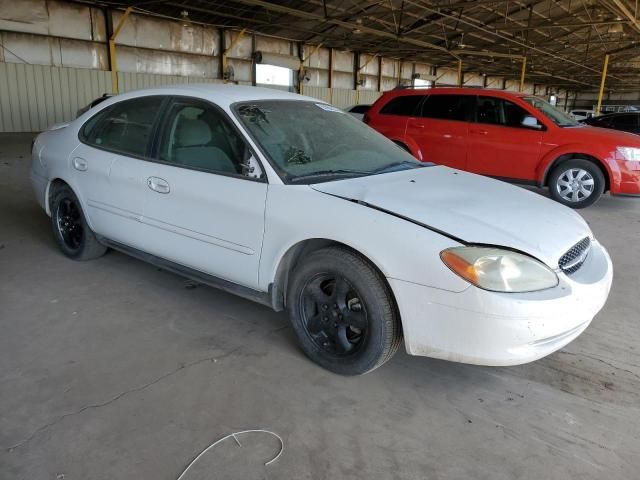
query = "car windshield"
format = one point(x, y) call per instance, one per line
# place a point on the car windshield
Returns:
point(309, 142)
point(554, 114)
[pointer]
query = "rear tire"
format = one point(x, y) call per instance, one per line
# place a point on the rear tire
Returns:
point(342, 312)
point(70, 228)
point(576, 183)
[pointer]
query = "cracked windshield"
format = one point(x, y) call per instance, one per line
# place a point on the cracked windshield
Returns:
point(309, 142)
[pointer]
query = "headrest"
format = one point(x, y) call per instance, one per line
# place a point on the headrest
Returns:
point(192, 132)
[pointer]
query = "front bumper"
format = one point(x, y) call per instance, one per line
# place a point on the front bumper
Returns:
point(488, 328)
point(629, 179)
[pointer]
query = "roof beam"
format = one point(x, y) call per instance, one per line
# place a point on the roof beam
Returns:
point(519, 28)
point(352, 26)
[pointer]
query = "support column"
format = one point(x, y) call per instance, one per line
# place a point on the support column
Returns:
point(460, 75)
point(331, 62)
point(112, 50)
point(604, 77)
point(228, 48)
point(523, 73)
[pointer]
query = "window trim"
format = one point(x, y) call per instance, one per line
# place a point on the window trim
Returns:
point(157, 128)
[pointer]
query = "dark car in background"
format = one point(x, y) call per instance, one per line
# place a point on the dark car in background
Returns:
point(626, 121)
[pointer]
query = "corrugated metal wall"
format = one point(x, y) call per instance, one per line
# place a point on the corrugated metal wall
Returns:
point(128, 81)
point(33, 97)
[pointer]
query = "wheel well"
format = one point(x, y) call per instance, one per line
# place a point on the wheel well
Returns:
point(402, 145)
point(582, 156)
point(53, 186)
point(299, 251)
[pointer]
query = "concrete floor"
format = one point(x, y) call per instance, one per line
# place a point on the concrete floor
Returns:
point(113, 369)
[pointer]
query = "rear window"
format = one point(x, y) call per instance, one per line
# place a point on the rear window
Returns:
point(406, 105)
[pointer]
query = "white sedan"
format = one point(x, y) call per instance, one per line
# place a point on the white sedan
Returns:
point(293, 203)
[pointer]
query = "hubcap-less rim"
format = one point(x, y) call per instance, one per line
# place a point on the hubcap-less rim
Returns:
point(333, 314)
point(69, 223)
point(575, 185)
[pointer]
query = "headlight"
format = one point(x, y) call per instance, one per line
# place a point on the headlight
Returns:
point(630, 153)
point(499, 270)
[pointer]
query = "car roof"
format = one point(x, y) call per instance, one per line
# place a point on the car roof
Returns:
point(617, 114)
point(221, 94)
point(459, 90)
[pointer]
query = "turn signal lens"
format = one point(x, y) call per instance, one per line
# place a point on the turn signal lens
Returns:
point(499, 270)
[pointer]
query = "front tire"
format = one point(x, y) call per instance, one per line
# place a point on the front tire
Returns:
point(576, 183)
point(70, 228)
point(343, 312)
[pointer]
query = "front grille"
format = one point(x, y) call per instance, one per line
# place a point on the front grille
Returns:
point(571, 261)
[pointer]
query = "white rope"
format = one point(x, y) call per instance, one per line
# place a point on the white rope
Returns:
point(233, 435)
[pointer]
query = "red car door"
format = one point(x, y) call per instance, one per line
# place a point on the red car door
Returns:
point(391, 120)
point(505, 140)
point(441, 129)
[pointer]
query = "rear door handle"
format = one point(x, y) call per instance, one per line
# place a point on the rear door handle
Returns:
point(80, 164)
point(479, 132)
point(158, 185)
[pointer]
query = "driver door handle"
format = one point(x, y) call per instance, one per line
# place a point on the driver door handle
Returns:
point(479, 132)
point(158, 185)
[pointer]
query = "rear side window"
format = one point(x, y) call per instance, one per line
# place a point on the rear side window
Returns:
point(406, 105)
point(448, 107)
point(497, 111)
point(124, 127)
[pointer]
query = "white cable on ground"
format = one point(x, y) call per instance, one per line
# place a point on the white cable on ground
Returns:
point(233, 435)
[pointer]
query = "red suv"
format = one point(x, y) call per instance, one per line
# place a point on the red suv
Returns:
point(513, 136)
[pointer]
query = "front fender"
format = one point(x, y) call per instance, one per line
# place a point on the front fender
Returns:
point(603, 157)
point(398, 248)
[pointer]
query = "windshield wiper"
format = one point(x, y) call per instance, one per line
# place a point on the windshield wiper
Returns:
point(328, 173)
point(393, 166)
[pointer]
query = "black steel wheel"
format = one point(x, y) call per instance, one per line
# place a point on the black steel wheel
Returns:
point(69, 222)
point(70, 228)
point(333, 314)
point(343, 312)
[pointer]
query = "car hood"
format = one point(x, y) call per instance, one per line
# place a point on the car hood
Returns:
point(614, 137)
point(470, 208)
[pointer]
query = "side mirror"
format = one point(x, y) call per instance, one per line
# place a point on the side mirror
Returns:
point(531, 122)
point(251, 168)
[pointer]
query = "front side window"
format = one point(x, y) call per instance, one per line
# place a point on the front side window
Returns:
point(309, 142)
point(498, 111)
point(554, 114)
point(124, 127)
point(405, 106)
point(448, 107)
point(197, 135)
